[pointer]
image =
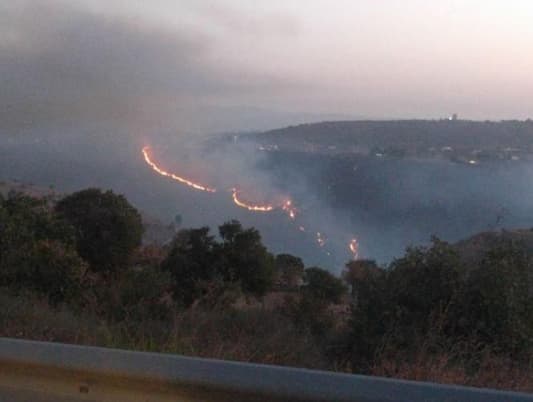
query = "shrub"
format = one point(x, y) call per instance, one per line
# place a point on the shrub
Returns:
point(108, 227)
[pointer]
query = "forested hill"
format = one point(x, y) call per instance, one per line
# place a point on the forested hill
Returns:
point(409, 137)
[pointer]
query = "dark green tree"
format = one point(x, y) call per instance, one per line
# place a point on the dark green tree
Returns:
point(192, 262)
point(37, 250)
point(322, 286)
point(310, 310)
point(421, 286)
point(108, 228)
point(51, 269)
point(496, 304)
point(245, 259)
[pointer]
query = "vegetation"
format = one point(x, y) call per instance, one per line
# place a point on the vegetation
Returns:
point(107, 227)
point(76, 272)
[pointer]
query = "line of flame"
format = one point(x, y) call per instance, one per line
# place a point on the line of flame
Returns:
point(172, 175)
point(354, 248)
point(249, 207)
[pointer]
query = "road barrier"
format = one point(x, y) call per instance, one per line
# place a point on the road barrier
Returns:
point(46, 372)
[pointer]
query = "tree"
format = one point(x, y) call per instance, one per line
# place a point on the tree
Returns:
point(496, 303)
point(289, 271)
point(322, 286)
point(108, 228)
point(362, 275)
point(245, 259)
point(51, 269)
point(37, 250)
point(197, 262)
point(368, 321)
point(422, 285)
point(310, 310)
point(192, 262)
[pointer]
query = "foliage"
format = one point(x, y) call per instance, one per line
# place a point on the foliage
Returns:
point(24, 219)
point(422, 283)
point(368, 313)
point(142, 295)
point(50, 269)
point(429, 295)
point(429, 313)
point(37, 250)
point(310, 310)
point(108, 227)
point(191, 262)
point(245, 259)
point(322, 286)
point(196, 260)
point(495, 304)
point(289, 271)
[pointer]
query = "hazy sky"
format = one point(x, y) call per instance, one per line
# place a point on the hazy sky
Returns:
point(163, 62)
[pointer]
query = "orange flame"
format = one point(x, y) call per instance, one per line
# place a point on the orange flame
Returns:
point(172, 175)
point(287, 207)
point(249, 207)
point(354, 248)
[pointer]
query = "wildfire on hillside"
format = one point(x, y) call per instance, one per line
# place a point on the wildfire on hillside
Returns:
point(286, 206)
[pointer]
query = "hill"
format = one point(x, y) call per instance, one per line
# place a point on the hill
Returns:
point(487, 139)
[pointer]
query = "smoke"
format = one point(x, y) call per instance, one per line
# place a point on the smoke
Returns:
point(63, 65)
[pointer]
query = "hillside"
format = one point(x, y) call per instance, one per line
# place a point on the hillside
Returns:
point(487, 140)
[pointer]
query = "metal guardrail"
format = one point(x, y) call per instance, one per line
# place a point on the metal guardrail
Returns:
point(43, 371)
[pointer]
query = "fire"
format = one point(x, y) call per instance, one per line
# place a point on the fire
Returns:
point(172, 175)
point(320, 239)
point(354, 248)
point(249, 207)
point(287, 207)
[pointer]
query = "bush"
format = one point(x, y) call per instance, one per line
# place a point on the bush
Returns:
point(422, 284)
point(289, 271)
point(191, 262)
point(245, 259)
point(195, 260)
point(368, 321)
point(322, 286)
point(37, 250)
point(142, 295)
point(496, 303)
point(108, 228)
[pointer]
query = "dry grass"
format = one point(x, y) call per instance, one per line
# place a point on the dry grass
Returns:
point(493, 371)
point(257, 335)
point(253, 335)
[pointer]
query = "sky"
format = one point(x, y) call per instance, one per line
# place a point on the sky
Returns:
point(208, 66)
